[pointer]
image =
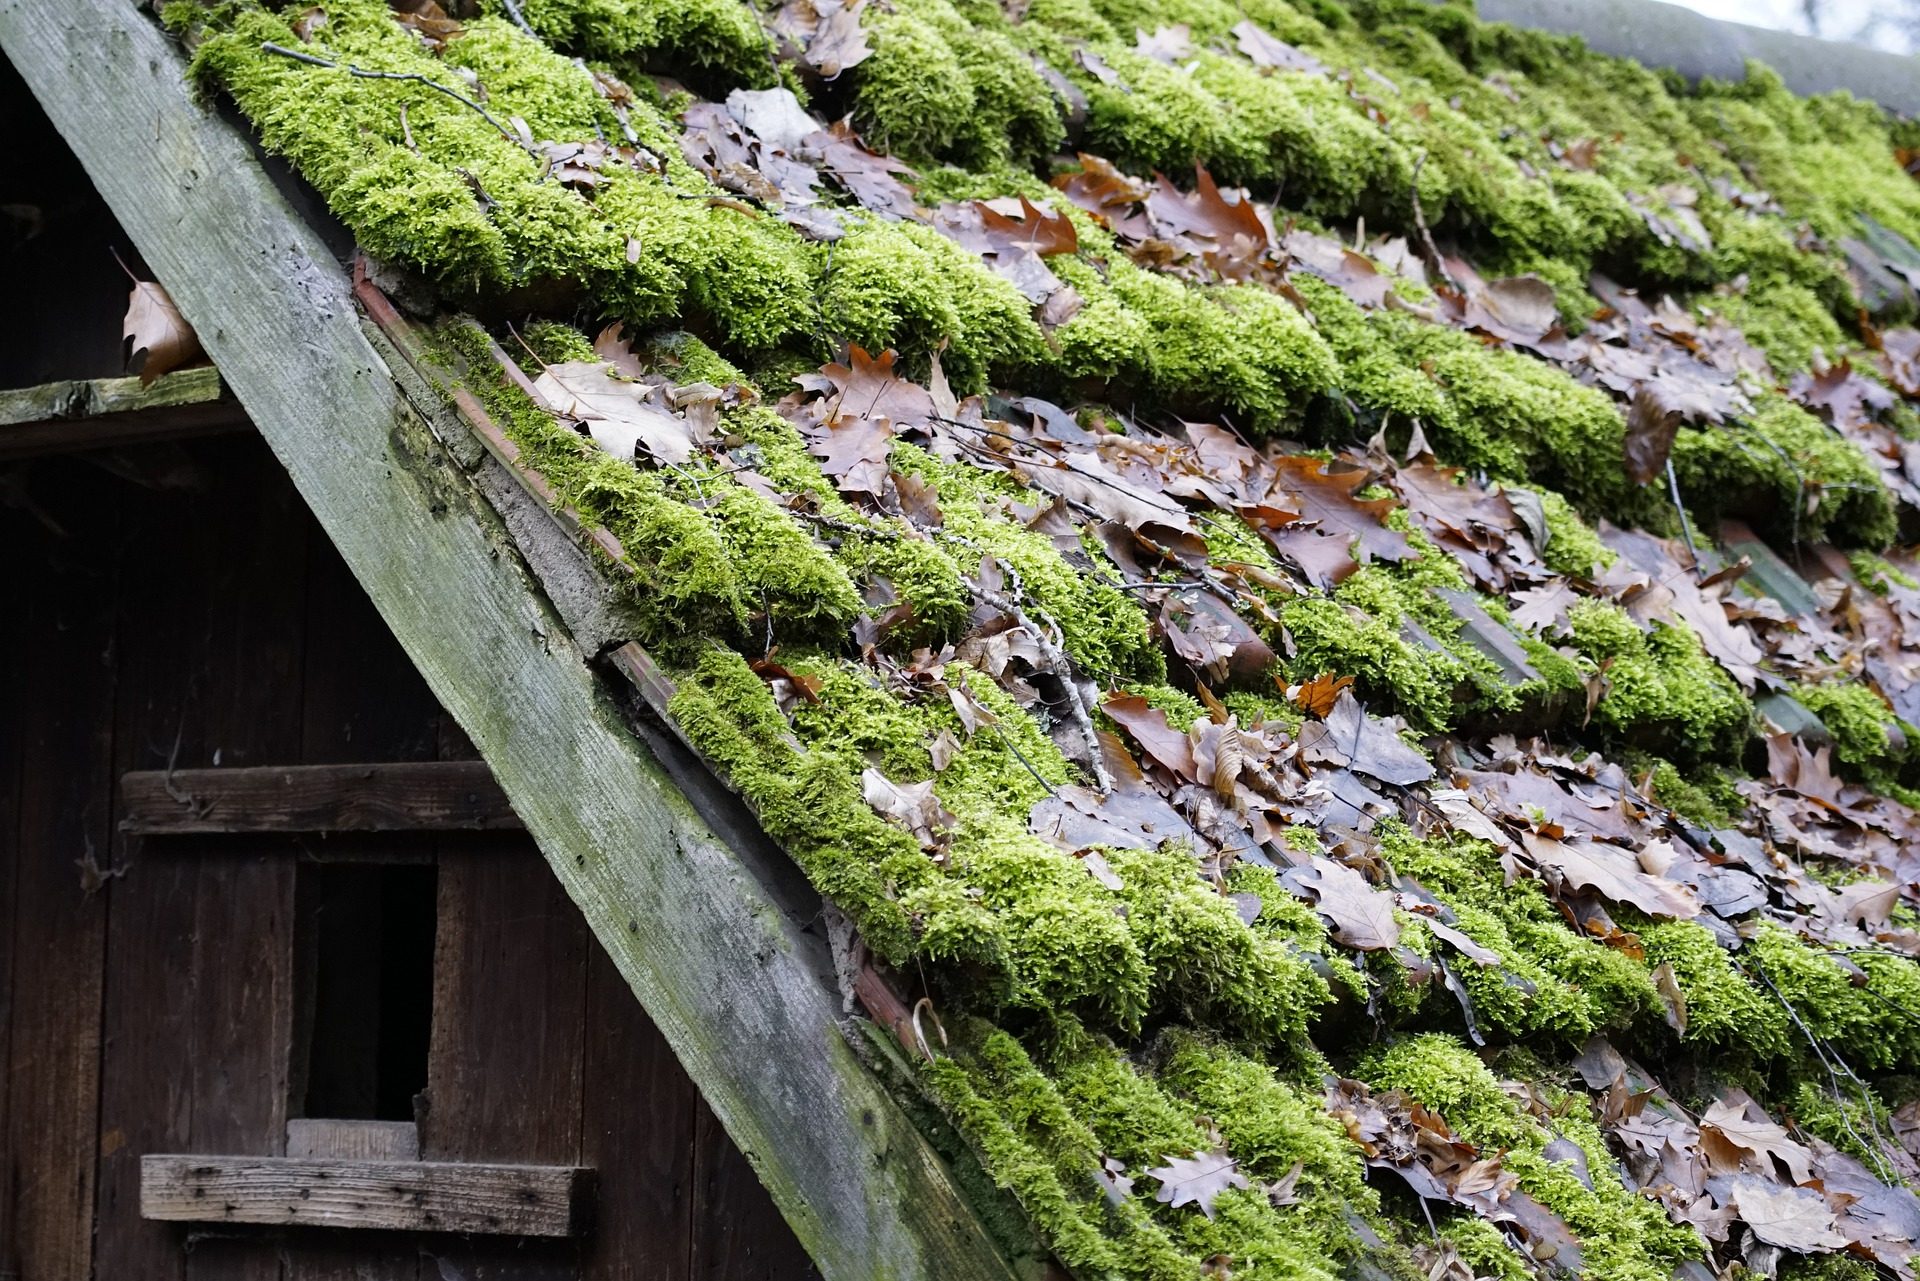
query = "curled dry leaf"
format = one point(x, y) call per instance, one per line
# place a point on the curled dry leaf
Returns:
point(155, 329)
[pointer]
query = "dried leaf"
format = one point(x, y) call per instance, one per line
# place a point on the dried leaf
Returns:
point(911, 805)
point(1360, 913)
point(155, 329)
point(1148, 725)
point(1791, 1218)
point(1270, 53)
point(1197, 1179)
point(1351, 738)
point(617, 413)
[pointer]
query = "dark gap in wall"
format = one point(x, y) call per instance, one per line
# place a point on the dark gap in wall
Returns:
point(369, 931)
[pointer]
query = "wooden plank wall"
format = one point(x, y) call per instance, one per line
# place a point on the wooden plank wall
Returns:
point(182, 607)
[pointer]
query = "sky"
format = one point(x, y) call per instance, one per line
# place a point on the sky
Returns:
point(1839, 19)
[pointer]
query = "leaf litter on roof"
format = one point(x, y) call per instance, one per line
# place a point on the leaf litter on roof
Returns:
point(1229, 860)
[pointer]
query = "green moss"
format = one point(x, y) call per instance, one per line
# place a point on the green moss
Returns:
point(716, 42)
point(1860, 722)
point(1724, 1009)
point(1572, 546)
point(1622, 1235)
point(1549, 979)
point(1102, 627)
point(1663, 692)
point(1789, 472)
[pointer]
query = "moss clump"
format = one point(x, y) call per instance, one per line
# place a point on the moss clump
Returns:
point(1572, 546)
point(1623, 1236)
point(808, 802)
point(710, 42)
point(1102, 627)
point(1790, 472)
point(1724, 1009)
point(905, 286)
point(1663, 692)
point(682, 578)
point(1864, 728)
point(1549, 979)
point(1870, 1022)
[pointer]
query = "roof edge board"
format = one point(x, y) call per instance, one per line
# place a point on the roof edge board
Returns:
point(712, 956)
point(1657, 34)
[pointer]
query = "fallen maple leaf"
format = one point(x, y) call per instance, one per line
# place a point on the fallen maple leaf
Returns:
point(155, 328)
point(1269, 53)
point(1611, 872)
point(1728, 1137)
point(1197, 1179)
point(1317, 696)
point(1350, 737)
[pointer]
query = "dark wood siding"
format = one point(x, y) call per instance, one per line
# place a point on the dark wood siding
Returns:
point(176, 606)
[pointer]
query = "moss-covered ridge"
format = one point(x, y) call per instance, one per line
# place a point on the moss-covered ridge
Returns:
point(512, 235)
point(1113, 1007)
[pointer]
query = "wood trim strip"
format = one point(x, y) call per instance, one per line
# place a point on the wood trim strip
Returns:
point(394, 1196)
point(403, 796)
point(66, 417)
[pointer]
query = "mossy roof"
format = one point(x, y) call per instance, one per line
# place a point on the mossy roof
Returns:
point(1321, 580)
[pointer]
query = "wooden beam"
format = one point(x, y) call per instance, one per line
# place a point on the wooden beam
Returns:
point(394, 1196)
point(726, 959)
point(404, 796)
point(65, 417)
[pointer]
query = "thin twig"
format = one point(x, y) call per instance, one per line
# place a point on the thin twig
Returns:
point(1686, 527)
point(314, 60)
point(1426, 237)
point(519, 18)
point(1822, 1052)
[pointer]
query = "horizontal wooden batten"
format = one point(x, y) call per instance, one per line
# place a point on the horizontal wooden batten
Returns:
point(403, 1196)
point(402, 796)
point(97, 413)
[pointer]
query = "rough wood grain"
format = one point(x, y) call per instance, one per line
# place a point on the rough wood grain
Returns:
point(64, 417)
point(353, 1140)
point(400, 796)
point(405, 1196)
point(637, 1131)
point(59, 934)
point(509, 1011)
point(732, 980)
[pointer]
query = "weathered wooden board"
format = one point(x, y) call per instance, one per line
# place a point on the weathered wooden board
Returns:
point(198, 1008)
point(58, 935)
point(399, 796)
point(732, 978)
point(330, 1192)
point(509, 1011)
point(634, 1086)
point(96, 413)
point(353, 1140)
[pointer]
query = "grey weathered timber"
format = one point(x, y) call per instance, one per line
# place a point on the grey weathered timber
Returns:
point(96, 413)
point(401, 796)
point(1666, 35)
point(354, 1140)
point(396, 1196)
point(741, 993)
